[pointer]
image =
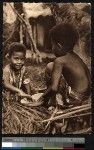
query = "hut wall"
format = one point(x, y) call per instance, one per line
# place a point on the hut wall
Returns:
point(40, 37)
point(40, 28)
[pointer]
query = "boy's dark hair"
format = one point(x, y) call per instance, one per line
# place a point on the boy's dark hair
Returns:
point(16, 47)
point(64, 34)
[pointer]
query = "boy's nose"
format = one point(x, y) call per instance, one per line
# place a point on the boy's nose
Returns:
point(19, 61)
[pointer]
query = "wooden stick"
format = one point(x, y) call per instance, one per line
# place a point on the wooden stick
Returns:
point(21, 33)
point(68, 114)
point(73, 108)
point(81, 131)
point(29, 31)
point(56, 109)
point(25, 23)
point(85, 114)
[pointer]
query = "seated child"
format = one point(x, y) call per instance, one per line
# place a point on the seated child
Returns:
point(15, 76)
point(67, 63)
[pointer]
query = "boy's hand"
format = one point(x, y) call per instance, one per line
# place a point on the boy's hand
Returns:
point(22, 94)
point(41, 99)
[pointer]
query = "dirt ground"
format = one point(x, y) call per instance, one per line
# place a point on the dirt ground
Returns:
point(37, 75)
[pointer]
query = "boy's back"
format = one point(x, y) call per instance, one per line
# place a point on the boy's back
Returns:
point(75, 72)
point(69, 64)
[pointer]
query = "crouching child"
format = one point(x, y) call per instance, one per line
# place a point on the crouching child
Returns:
point(16, 79)
point(67, 63)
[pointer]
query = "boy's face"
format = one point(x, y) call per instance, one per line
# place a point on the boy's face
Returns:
point(17, 60)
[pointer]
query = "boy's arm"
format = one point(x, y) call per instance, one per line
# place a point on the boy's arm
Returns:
point(26, 82)
point(9, 86)
point(28, 89)
point(56, 75)
point(16, 90)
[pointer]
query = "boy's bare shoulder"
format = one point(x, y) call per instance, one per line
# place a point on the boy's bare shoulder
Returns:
point(6, 73)
point(6, 68)
point(61, 59)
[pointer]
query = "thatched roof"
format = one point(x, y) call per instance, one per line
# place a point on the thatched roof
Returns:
point(36, 9)
point(32, 10)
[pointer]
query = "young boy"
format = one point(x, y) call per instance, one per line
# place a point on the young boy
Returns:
point(67, 63)
point(15, 77)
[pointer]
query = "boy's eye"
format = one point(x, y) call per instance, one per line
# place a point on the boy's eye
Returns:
point(16, 58)
point(19, 58)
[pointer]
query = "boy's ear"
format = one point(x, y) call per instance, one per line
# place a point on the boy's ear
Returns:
point(7, 56)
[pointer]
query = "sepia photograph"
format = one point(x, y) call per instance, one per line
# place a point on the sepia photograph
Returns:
point(46, 68)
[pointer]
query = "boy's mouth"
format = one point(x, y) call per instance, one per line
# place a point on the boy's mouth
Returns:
point(18, 66)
